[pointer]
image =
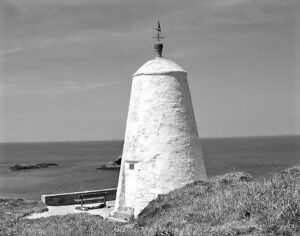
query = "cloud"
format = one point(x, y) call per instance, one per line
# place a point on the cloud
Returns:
point(63, 87)
point(226, 3)
point(10, 51)
point(71, 86)
point(67, 40)
point(233, 50)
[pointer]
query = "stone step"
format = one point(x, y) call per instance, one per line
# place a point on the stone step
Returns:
point(123, 215)
point(116, 219)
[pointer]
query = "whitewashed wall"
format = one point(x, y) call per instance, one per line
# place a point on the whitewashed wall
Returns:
point(161, 139)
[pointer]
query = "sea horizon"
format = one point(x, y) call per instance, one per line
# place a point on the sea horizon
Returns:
point(112, 140)
point(78, 160)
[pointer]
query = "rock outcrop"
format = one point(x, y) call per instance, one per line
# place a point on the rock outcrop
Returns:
point(114, 165)
point(19, 167)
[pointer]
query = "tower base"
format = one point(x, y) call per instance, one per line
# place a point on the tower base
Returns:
point(124, 214)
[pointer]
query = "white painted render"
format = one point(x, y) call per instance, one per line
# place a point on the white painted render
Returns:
point(161, 139)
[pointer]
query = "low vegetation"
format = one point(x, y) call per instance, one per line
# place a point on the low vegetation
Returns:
point(232, 204)
point(13, 211)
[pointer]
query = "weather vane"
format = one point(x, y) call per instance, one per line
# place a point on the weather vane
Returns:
point(158, 36)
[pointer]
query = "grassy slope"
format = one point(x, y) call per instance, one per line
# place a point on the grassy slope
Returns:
point(12, 211)
point(228, 206)
point(232, 204)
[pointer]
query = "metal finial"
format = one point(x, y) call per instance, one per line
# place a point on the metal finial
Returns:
point(158, 36)
point(158, 46)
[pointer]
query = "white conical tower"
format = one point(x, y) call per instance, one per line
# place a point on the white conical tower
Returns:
point(162, 150)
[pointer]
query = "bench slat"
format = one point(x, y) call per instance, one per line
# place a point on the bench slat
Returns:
point(83, 198)
point(89, 199)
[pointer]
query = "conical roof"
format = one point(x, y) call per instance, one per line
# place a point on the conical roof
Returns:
point(158, 66)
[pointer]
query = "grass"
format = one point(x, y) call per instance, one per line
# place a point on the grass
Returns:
point(229, 205)
point(232, 204)
point(13, 211)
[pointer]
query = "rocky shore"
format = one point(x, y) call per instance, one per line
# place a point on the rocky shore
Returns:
point(19, 167)
point(114, 165)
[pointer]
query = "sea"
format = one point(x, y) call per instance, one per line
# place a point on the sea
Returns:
point(78, 162)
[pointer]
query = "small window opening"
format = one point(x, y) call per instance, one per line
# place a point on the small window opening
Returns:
point(131, 166)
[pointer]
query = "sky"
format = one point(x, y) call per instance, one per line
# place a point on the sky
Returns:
point(66, 65)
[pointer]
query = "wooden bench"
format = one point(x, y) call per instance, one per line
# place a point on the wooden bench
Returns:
point(90, 197)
